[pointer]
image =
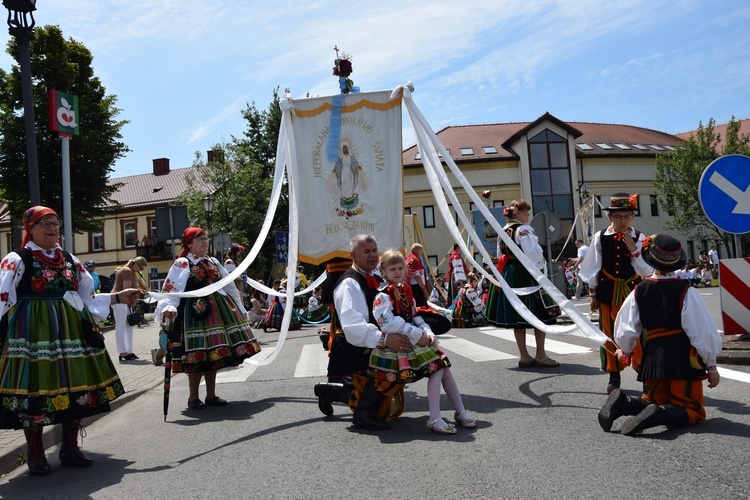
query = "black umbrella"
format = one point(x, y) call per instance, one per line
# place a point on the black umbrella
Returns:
point(164, 344)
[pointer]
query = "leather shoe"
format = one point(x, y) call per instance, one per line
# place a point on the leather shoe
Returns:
point(324, 404)
point(216, 401)
point(196, 404)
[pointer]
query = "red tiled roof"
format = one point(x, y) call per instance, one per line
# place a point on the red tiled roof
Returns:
point(500, 136)
point(149, 189)
point(722, 131)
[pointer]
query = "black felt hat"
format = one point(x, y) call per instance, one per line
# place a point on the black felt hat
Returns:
point(664, 253)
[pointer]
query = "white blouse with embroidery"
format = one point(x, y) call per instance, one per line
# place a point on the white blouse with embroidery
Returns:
point(382, 310)
point(11, 272)
point(176, 282)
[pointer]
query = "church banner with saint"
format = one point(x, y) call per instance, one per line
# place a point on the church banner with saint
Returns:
point(348, 152)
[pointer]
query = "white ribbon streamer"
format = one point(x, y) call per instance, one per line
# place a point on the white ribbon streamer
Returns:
point(429, 144)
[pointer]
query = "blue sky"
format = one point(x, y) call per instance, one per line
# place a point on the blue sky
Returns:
point(184, 69)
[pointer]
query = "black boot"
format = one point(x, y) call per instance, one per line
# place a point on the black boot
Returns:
point(617, 405)
point(654, 415)
point(70, 454)
point(35, 459)
point(366, 412)
point(614, 382)
point(330, 393)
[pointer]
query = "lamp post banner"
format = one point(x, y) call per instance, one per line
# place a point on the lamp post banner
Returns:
point(349, 172)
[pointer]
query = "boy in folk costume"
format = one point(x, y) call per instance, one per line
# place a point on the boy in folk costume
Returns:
point(679, 351)
point(612, 267)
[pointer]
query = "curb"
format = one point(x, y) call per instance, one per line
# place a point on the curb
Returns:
point(9, 455)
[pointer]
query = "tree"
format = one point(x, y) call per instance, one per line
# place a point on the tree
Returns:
point(678, 174)
point(63, 65)
point(241, 191)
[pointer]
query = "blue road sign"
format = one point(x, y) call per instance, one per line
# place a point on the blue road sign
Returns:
point(724, 193)
point(282, 246)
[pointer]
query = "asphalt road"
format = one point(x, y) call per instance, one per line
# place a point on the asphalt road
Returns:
point(537, 437)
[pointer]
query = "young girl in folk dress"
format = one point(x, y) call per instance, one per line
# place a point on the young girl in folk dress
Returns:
point(395, 311)
point(275, 313)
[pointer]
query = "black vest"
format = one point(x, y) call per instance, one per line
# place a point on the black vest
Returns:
point(346, 358)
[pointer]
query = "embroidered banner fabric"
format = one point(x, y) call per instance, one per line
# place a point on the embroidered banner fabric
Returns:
point(359, 188)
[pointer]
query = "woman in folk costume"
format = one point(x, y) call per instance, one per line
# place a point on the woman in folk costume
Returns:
point(316, 311)
point(54, 367)
point(469, 310)
point(206, 333)
point(275, 313)
point(499, 310)
point(394, 309)
point(679, 351)
point(612, 267)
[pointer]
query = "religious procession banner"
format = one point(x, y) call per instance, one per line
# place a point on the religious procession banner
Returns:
point(349, 178)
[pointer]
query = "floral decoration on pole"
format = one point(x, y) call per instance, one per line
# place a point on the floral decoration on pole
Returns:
point(343, 68)
point(486, 194)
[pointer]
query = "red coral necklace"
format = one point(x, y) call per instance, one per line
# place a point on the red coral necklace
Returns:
point(57, 261)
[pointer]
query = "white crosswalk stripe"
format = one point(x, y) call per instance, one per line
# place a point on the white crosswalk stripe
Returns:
point(550, 345)
point(471, 350)
point(734, 375)
point(312, 362)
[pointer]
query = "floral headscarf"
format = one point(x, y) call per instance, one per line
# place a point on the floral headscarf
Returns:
point(31, 217)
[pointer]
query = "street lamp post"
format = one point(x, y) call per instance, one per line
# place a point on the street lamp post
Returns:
point(21, 26)
point(208, 206)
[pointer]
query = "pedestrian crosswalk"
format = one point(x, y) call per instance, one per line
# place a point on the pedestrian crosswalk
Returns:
point(312, 361)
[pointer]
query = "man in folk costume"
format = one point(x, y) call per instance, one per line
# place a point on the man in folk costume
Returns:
point(679, 351)
point(355, 334)
point(612, 267)
point(456, 271)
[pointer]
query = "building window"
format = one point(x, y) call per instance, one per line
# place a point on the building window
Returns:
point(551, 187)
point(498, 203)
point(433, 261)
point(654, 206)
point(690, 250)
point(129, 233)
point(429, 216)
point(472, 206)
point(97, 240)
point(407, 211)
point(598, 206)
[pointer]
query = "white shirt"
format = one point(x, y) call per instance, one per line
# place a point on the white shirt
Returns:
point(714, 256)
point(592, 262)
point(177, 278)
point(696, 320)
point(354, 315)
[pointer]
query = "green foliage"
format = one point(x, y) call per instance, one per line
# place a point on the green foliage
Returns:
point(678, 174)
point(63, 65)
point(241, 192)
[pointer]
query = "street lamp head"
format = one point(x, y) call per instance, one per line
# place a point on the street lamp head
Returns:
point(19, 13)
point(208, 204)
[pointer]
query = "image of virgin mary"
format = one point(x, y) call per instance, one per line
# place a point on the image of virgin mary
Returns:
point(346, 176)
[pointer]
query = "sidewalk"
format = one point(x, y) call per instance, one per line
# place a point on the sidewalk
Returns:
point(137, 376)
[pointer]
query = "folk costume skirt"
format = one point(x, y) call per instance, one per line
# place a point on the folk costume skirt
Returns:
point(406, 367)
point(211, 336)
point(54, 367)
point(500, 312)
point(276, 313)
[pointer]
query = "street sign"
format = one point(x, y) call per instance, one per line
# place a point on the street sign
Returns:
point(282, 246)
point(734, 276)
point(724, 193)
point(547, 226)
point(222, 242)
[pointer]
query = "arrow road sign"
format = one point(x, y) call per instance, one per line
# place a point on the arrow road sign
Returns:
point(724, 192)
